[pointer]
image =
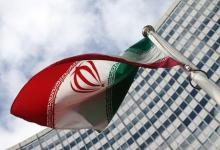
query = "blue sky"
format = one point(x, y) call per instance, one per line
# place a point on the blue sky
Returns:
point(36, 33)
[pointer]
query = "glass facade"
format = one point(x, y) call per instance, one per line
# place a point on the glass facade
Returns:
point(161, 110)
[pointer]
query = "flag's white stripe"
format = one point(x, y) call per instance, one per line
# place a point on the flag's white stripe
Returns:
point(81, 106)
point(168, 50)
point(150, 56)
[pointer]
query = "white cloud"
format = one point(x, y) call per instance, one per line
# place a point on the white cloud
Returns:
point(53, 25)
point(21, 131)
point(35, 33)
point(124, 19)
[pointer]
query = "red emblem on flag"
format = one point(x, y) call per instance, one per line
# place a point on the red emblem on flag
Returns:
point(85, 78)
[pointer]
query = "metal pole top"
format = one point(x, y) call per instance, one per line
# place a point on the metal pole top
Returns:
point(147, 29)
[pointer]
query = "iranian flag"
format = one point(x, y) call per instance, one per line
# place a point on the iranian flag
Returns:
point(85, 91)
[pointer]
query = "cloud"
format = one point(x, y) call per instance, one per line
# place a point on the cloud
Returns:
point(30, 27)
point(21, 130)
point(35, 33)
point(124, 19)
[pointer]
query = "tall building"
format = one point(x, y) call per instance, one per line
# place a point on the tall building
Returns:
point(161, 110)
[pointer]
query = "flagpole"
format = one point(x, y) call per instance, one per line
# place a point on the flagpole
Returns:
point(198, 76)
point(149, 32)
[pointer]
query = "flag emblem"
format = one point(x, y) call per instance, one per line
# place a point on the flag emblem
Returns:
point(85, 78)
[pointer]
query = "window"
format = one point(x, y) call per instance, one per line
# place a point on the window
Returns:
point(172, 117)
point(208, 119)
point(214, 67)
point(105, 146)
point(147, 125)
point(183, 105)
point(149, 140)
point(151, 105)
point(203, 102)
point(184, 145)
point(166, 123)
point(181, 128)
point(202, 125)
point(192, 115)
point(171, 82)
point(158, 114)
point(187, 121)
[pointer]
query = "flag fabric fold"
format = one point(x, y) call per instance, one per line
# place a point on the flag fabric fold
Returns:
point(85, 91)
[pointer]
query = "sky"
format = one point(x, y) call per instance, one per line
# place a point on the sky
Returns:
point(36, 33)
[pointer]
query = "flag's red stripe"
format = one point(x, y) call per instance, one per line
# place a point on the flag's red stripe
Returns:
point(169, 62)
point(31, 102)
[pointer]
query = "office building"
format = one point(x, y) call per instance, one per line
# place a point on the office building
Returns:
point(162, 110)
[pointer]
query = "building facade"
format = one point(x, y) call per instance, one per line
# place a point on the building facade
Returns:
point(161, 110)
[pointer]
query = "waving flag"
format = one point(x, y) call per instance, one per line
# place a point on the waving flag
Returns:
point(85, 91)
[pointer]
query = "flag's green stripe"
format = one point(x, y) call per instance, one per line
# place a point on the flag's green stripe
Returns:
point(121, 77)
point(143, 45)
